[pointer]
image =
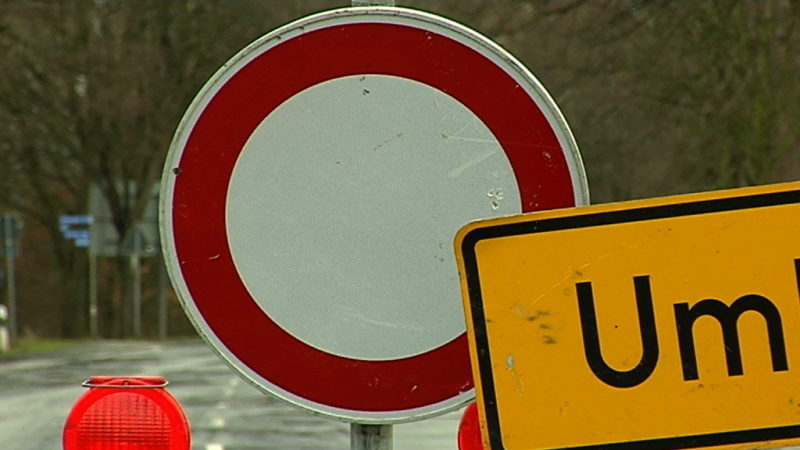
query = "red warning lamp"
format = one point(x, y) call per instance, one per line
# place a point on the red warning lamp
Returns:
point(130, 413)
point(469, 430)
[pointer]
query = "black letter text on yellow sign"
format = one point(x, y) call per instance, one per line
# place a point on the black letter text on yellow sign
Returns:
point(663, 323)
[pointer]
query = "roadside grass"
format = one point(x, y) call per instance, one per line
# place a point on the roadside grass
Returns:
point(25, 346)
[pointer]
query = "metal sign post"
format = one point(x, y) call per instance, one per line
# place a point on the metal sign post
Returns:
point(372, 2)
point(136, 270)
point(93, 328)
point(78, 228)
point(11, 231)
point(163, 312)
point(138, 244)
point(370, 437)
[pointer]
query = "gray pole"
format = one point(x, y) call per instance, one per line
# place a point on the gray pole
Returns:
point(370, 437)
point(137, 284)
point(93, 330)
point(162, 297)
point(372, 3)
point(11, 294)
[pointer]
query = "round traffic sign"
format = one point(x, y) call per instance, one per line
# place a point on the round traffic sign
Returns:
point(313, 189)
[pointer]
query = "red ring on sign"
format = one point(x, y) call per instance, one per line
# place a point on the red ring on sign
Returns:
point(220, 134)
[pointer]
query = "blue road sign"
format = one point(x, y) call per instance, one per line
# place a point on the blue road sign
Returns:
point(72, 226)
point(76, 219)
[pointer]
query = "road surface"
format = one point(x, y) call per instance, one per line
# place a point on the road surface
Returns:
point(225, 412)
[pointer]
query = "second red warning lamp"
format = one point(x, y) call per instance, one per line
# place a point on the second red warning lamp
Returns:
point(130, 413)
point(469, 429)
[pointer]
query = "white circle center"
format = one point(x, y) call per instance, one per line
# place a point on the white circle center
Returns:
point(343, 206)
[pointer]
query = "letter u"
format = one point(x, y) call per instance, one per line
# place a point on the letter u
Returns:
point(647, 329)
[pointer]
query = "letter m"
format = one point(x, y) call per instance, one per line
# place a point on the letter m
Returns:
point(728, 317)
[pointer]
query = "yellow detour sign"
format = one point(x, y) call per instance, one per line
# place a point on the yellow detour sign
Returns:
point(656, 324)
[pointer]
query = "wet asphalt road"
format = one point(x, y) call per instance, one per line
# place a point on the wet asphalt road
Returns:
point(225, 413)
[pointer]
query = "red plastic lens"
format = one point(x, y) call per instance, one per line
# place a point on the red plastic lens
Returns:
point(469, 430)
point(130, 413)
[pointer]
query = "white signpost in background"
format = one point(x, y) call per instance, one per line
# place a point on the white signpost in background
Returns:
point(311, 195)
point(141, 241)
